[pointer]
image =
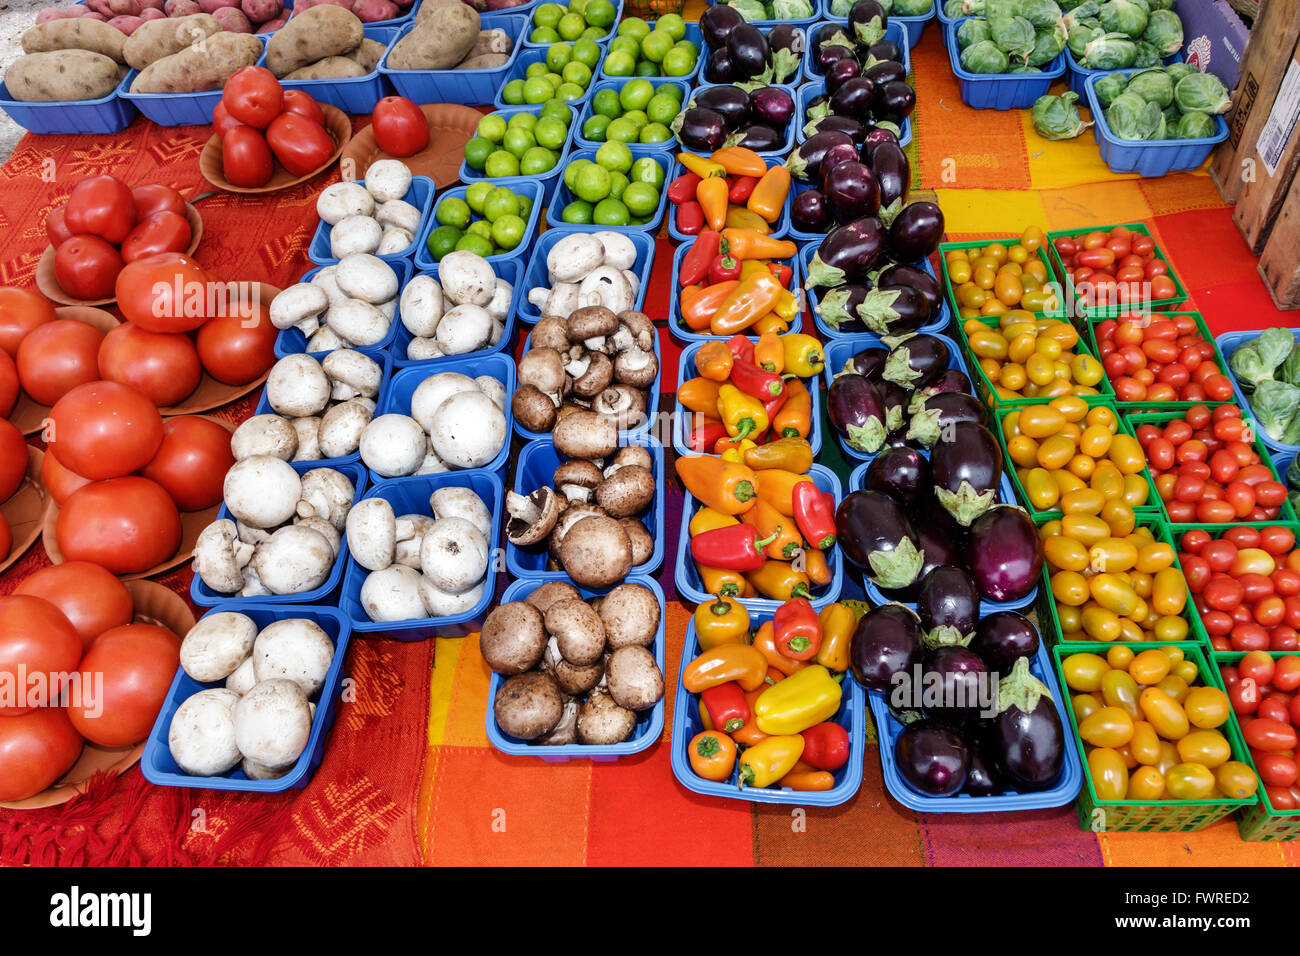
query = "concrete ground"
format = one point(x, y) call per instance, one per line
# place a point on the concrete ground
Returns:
point(15, 17)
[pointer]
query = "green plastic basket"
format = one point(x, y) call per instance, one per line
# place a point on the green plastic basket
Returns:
point(1285, 512)
point(1090, 332)
point(1097, 313)
point(1165, 816)
point(1152, 507)
point(1009, 241)
point(1262, 822)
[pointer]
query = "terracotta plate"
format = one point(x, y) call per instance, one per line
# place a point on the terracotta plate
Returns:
point(450, 128)
point(28, 415)
point(336, 121)
point(25, 509)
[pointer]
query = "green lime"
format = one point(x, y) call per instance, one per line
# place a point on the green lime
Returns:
point(637, 118)
point(620, 63)
point(558, 54)
point(501, 164)
point(543, 35)
point(635, 94)
point(626, 44)
point(535, 69)
point(610, 212)
point(558, 110)
point(476, 194)
point(571, 172)
point(537, 89)
point(554, 80)
point(569, 92)
point(654, 133)
point(646, 68)
point(524, 120)
point(641, 199)
point(525, 208)
point(633, 27)
point(600, 13)
point(551, 133)
point(587, 52)
point(593, 33)
point(442, 241)
point(605, 103)
point(647, 170)
point(571, 26)
point(500, 202)
point(579, 74)
point(663, 108)
point(680, 61)
point(591, 183)
point(578, 212)
point(617, 183)
point(656, 46)
point(518, 141)
point(548, 15)
point(508, 231)
point(477, 151)
point(614, 156)
point(594, 128)
point(621, 130)
point(673, 23)
point(673, 90)
point(480, 227)
point(479, 245)
point(453, 211)
point(492, 127)
point(578, 6)
point(536, 161)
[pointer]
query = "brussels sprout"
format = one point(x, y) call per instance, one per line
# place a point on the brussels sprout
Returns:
point(1114, 51)
point(1056, 117)
point(1123, 16)
point(1193, 125)
point(1201, 91)
point(796, 10)
point(1257, 360)
point(911, 8)
point(1014, 36)
point(972, 31)
point(1277, 409)
point(1082, 9)
point(1154, 86)
point(1160, 5)
point(1003, 8)
point(1172, 116)
point(1081, 34)
point(840, 8)
point(1289, 370)
point(749, 9)
point(1146, 56)
point(984, 57)
point(1164, 31)
point(1048, 45)
point(1177, 71)
point(1131, 117)
point(1043, 14)
point(1108, 87)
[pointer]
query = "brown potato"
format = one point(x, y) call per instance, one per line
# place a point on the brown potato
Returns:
point(79, 34)
point(318, 33)
point(440, 41)
point(330, 68)
point(160, 38)
point(205, 66)
point(62, 76)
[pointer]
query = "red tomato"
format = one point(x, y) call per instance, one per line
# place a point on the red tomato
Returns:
point(1269, 736)
point(253, 95)
point(126, 525)
point(1270, 494)
point(1217, 623)
point(36, 749)
point(1276, 770)
point(1242, 537)
point(1286, 673)
point(236, 349)
point(90, 598)
point(1269, 612)
point(101, 206)
point(137, 663)
point(1194, 541)
point(86, 267)
point(8, 384)
point(1271, 709)
point(153, 198)
point(59, 480)
point(58, 357)
point(222, 121)
point(104, 430)
point(1276, 540)
point(161, 232)
point(1258, 666)
point(1248, 636)
point(13, 459)
point(56, 226)
point(1196, 570)
point(37, 638)
point(1223, 594)
point(1254, 587)
point(300, 102)
point(21, 310)
point(301, 145)
point(1283, 638)
point(1220, 555)
point(164, 367)
point(1286, 582)
point(400, 127)
point(169, 292)
point(246, 158)
point(192, 462)
point(1281, 798)
point(1295, 710)
point(1244, 697)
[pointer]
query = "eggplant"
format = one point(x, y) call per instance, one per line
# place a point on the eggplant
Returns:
point(839, 307)
point(895, 398)
point(848, 253)
point(966, 471)
point(840, 71)
point(853, 98)
point(717, 22)
point(827, 56)
point(893, 172)
point(773, 106)
point(898, 439)
point(919, 360)
point(830, 34)
point(893, 102)
point(730, 102)
point(787, 47)
point(809, 212)
point(897, 311)
point(900, 274)
point(1006, 556)
point(839, 153)
point(916, 231)
point(867, 20)
point(982, 776)
point(928, 513)
point(886, 71)
point(759, 137)
point(939, 411)
point(748, 51)
point(875, 137)
point(868, 362)
point(805, 162)
point(885, 642)
point(932, 757)
point(901, 473)
point(701, 129)
point(876, 536)
point(1027, 737)
point(963, 687)
point(718, 67)
point(1002, 638)
point(952, 380)
point(886, 51)
point(949, 606)
point(844, 124)
point(850, 190)
point(856, 412)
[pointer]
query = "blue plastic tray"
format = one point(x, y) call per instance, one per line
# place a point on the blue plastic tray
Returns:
point(420, 195)
point(512, 271)
point(537, 463)
point(290, 341)
point(780, 228)
point(357, 94)
point(679, 329)
point(1154, 157)
point(895, 30)
point(791, 87)
point(563, 197)
point(548, 180)
point(638, 149)
point(816, 87)
point(914, 26)
point(687, 578)
point(179, 109)
point(537, 54)
point(687, 723)
point(410, 495)
point(108, 114)
point(682, 416)
point(1079, 74)
point(649, 724)
point(204, 596)
point(603, 41)
point(935, 326)
point(160, 769)
point(1228, 343)
point(694, 34)
point(1001, 91)
point(469, 87)
point(533, 189)
point(537, 276)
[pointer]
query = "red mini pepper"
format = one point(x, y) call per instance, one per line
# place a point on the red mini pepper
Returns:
point(699, 256)
point(814, 515)
point(727, 707)
point(759, 382)
point(682, 189)
point(826, 746)
point(782, 272)
point(773, 404)
point(690, 218)
point(798, 629)
point(742, 349)
point(706, 434)
point(741, 188)
point(734, 548)
point(724, 268)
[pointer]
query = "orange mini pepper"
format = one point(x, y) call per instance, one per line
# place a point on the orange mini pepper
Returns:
point(776, 487)
point(713, 755)
point(791, 454)
point(771, 323)
point(794, 418)
point(768, 197)
point(816, 566)
point(749, 734)
point(769, 353)
point(780, 581)
point(699, 303)
point(739, 161)
point(838, 624)
point(724, 486)
point(765, 644)
point(748, 302)
point(751, 244)
point(699, 395)
point(726, 662)
point(706, 519)
point(714, 360)
point(724, 582)
point(711, 194)
point(807, 780)
point(769, 523)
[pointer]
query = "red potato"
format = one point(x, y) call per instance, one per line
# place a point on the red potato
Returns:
point(181, 8)
point(151, 5)
point(270, 26)
point(152, 13)
point(127, 25)
point(94, 16)
point(372, 11)
point(232, 20)
point(212, 6)
point(261, 11)
point(101, 7)
point(54, 13)
point(125, 8)
point(302, 5)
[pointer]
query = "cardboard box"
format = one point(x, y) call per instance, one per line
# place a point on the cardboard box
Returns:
point(1214, 38)
point(1280, 264)
point(1271, 160)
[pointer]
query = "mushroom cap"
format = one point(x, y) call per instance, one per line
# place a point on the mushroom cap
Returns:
point(576, 479)
point(643, 546)
point(601, 721)
point(513, 638)
point(528, 706)
point(454, 554)
point(297, 386)
point(273, 723)
point(590, 322)
point(393, 594)
point(578, 631)
point(202, 733)
point(531, 517)
point(294, 649)
point(631, 455)
point(636, 367)
point(634, 678)
point(572, 678)
point(550, 332)
point(627, 492)
point(214, 648)
point(630, 615)
point(596, 552)
point(640, 326)
point(262, 491)
point(550, 592)
point(584, 434)
point(543, 368)
point(393, 445)
point(566, 731)
point(267, 434)
point(532, 409)
point(599, 372)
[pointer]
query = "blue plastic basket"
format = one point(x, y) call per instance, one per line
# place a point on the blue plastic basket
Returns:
point(787, 144)
point(1001, 91)
point(937, 325)
point(535, 468)
point(548, 180)
point(694, 34)
point(1079, 74)
point(682, 416)
point(356, 94)
point(638, 149)
point(160, 769)
point(410, 495)
point(603, 41)
point(291, 341)
point(512, 271)
point(780, 228)
point(1066, 788)
point(687, 578)
point(531, 188)
point(563, 197)
point(179, 109)
point(537, 276)
point(1227, 344)
point(678, 328)
point(420, 195)
point(204, 596)
point(816, 87)
point(687, 723)
point(108, 114)
point(896, 31)
point(469, 87)
point(914, 26)
point(1154, 157)
point(649, 724)
point(537, 54)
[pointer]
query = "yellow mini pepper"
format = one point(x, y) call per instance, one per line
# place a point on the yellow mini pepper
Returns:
point(803, 355)
point(737, 452)
point(792, 454)
point(838, 624)
point(768, 761)
point(770, 323)
point(800, 701)
point(707, 519)
point(722, 621)
point(742, 415)
point(780, 581)
point(704, 168)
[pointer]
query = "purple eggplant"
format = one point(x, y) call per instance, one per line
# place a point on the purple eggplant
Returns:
point(772, 105)
point(939, 411)
point(982, 776)
point(893, 172)
point(901, 473)
point(853, 98)
point(886, 51)
point(787, 46)
point(805, 162)
point(848, 253)
point(932, 757)
point(730, 102)
point(850, 190)
point(952, 380)
point(809, 212)
point(916, 231)
point(900, 274)
point(876, 536)
point(869, 362)
point(1006, 556)
point(759, 137)
point(748, 50)
point(718, 68)
point(936, 543)
point(843, 124)
point(840, 72)
point(717, 22)
point(886, 641)
point(876, 137)
point(831, 34)
point(1027, 737)
point(949, 606)
point(960, 679)
point(967, 466)
point(827, 56)
point(898, 439)
point(918, 361)
point(1002, 638)
point(886, 71)
point(895, 398)
point(839, 153)
point(856, 412)
point(838, 308)
point(700, 129)
point(893, 102)
point(868, 21)
point(897, 311)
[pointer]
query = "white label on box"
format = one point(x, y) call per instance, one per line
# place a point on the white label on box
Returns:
point(1281, 120)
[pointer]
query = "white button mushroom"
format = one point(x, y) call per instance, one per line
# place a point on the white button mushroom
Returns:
point(440, 603)
point(352, 374)
point(220, 558)
point(262, 491)
point(295, 649)
point(393, 242)
point(299, 307)
point(400, 214)
point(468, 430)
point(296, 559)
point(467, 278)
point(270, 435)
point(366, 277)
point(494, 389)
point(337, 202)
point(454, 555)
point(242, 680)
point(465, 328)
point(201, 737)
point(326, 493)
point(421, 305)
point(452, 502)
point(435, 390)
point(297, 386)
point(326, 339)
point(215, 647)
point(393, 445)
point(353, 235)
point(357, 322)
point(307, 429)
point(393, 594)
point(273, 723)
point(388, 179)
point(341, 427)
point(372, 533)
